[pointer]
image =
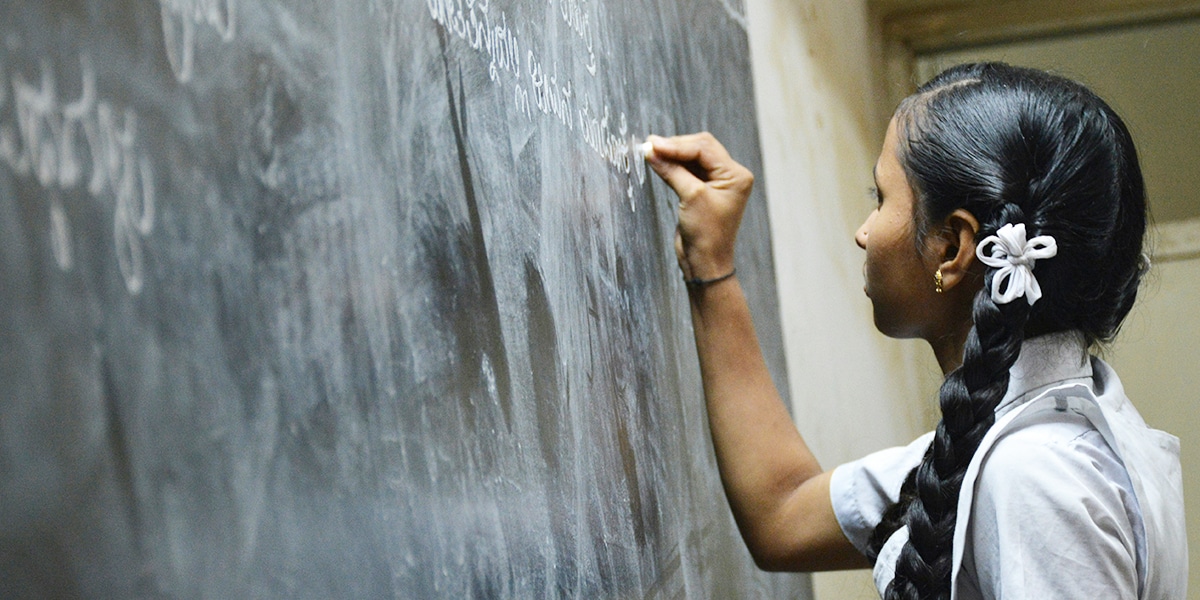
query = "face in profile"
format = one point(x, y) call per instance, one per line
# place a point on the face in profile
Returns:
point(897, 279)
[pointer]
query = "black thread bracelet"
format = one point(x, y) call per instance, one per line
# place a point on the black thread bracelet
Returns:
point(697, 282)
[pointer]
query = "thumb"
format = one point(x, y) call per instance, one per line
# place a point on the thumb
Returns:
point(678, 171)
point(680, 178)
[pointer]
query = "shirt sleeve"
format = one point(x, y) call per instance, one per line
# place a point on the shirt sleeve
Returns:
point(1054, 517)
point(863, 489)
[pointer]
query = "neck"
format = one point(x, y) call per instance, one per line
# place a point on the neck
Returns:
point(948, 348)
point(949, 337)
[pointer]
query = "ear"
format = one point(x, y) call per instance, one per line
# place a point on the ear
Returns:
point(952, 246)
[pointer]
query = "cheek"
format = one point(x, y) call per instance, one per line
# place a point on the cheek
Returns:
point(881, 253)
point(877, 274)
point(891, 283)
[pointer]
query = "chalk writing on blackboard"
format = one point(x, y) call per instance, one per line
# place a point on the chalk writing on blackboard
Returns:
point(309, 299)
point(476, 27)
point(574, 12)
point(60, 142)
point(179, 21)
point(485, 28)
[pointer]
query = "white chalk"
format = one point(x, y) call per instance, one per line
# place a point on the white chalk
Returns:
point(647, 149)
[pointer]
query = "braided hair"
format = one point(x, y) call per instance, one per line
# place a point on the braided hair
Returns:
point(1011, 145)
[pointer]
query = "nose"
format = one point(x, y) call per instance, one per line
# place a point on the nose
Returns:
point(860, 236)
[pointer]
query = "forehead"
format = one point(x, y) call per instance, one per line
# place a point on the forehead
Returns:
point(887, 167)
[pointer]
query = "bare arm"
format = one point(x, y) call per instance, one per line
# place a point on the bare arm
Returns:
point(778, 492)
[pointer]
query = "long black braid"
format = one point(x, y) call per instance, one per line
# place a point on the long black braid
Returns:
point(1011, 145)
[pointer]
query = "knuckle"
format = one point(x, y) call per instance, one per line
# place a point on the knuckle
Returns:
point(744, 178)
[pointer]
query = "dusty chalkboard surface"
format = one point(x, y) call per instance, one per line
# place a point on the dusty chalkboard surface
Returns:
point(363, 299)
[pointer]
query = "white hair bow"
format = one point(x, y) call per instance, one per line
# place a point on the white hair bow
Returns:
point(1015, 257)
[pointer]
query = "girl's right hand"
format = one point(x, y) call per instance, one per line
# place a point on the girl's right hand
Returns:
point(713, 190)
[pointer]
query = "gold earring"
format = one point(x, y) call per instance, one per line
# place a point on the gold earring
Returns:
point(937, 281)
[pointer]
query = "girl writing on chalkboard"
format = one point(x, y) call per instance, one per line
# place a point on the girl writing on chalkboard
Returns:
point(1008, 235)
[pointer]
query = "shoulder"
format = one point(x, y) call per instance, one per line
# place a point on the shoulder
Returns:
point(1039, 452)
point(1053, 497)
point(1058, 467)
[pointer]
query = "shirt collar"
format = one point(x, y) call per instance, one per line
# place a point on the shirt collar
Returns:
point(1045, 361)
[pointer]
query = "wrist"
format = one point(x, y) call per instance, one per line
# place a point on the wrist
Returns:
point(711, 303)
point(699, 282)
point(697, 265)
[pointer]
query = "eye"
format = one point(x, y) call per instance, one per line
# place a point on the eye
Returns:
point(873, 192)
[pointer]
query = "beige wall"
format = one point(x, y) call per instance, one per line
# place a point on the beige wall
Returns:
point(853, 390)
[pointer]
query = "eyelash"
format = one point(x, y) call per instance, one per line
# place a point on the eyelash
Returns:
point(875, 195)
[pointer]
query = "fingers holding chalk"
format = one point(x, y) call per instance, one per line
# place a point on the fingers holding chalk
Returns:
point(679, 174)
point(647, 148)
point(713, 190)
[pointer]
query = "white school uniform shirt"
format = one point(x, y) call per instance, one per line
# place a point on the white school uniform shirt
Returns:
point(1070, 494)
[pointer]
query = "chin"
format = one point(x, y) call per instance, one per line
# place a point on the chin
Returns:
point(894, 330)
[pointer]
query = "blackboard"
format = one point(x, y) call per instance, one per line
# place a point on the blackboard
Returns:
point(369, 298)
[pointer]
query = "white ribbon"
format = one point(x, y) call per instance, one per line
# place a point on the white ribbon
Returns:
point(1014, 257)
